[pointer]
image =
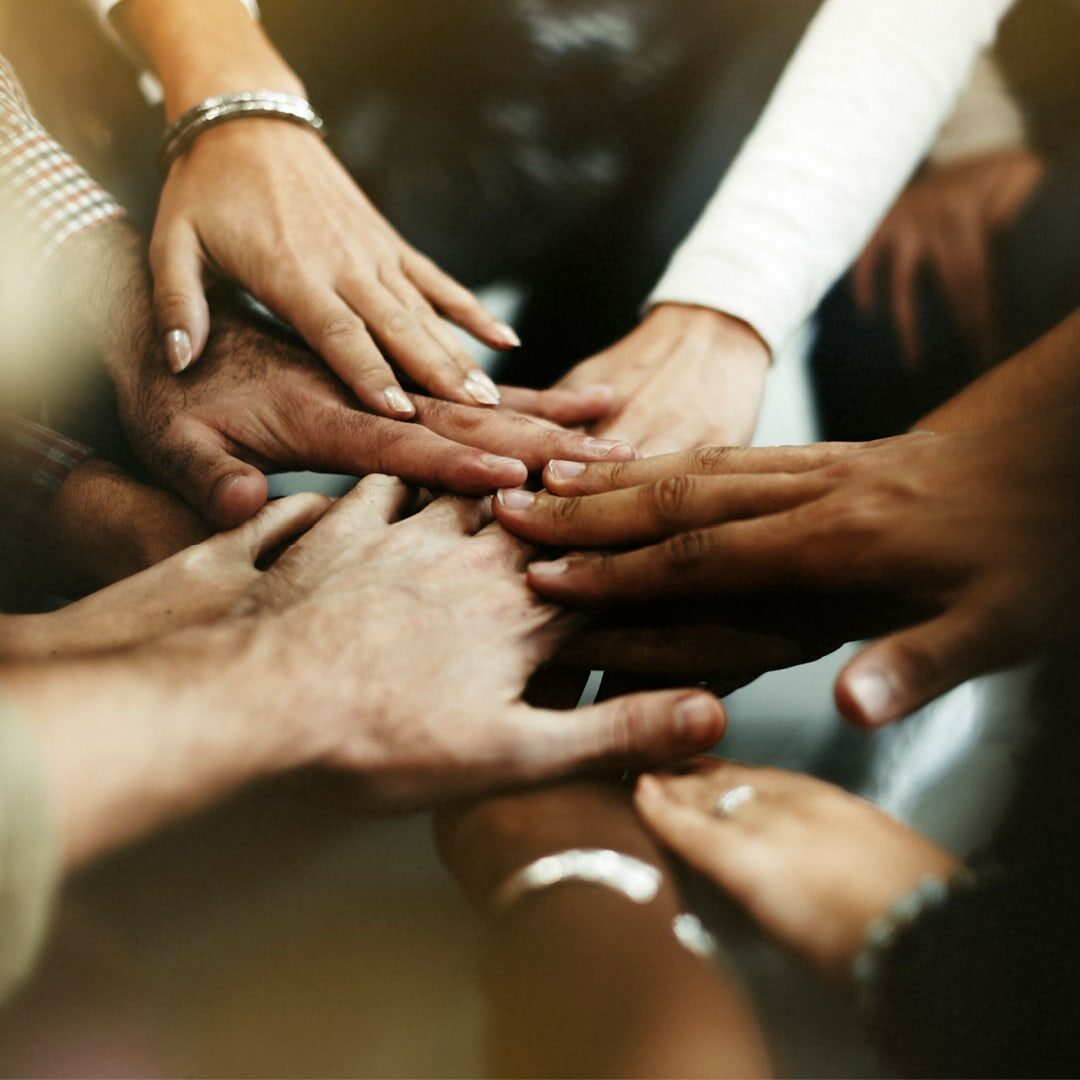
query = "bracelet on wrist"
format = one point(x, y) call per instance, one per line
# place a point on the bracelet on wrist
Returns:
point(274, 104)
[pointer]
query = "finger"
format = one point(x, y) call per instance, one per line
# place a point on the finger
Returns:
point(501, 432)
point(180, 308)
point(453, 514)
point(633, 730)
point(335, 331)
point(506, 549)
point(864, 278)
point(643, 515)
point(896, 675)
point(406, 335)
point(358, 443)
point(961, 261)
point(383, 500)
point(194, 462)
point(763, 553)
point(561, 406)
point(907, 259)
point(457, 303)
point(573, 478)
point(280, 521)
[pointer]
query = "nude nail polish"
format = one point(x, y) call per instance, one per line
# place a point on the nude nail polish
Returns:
point(481, 389)
point(507, 335)
point(178, 350)
point(398, 401)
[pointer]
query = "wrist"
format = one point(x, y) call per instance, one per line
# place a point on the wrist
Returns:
point(704, 327)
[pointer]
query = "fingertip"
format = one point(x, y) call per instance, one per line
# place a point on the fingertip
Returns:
point(698, 720)
point(399, 404)
point(648, 790)
point(179, 353)
point(866, 696)
point(504, 473)
point(237, 497)
point(559, 474)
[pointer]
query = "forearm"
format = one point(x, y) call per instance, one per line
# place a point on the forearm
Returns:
point(1044, 376)
point(135, 740)
point(201, 48)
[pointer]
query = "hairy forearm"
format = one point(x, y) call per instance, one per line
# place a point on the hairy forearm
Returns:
point(139, 738)
point(200, 48)
point(1046, 375)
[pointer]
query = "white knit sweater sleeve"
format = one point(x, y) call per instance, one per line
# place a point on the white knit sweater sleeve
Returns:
point(855, 111)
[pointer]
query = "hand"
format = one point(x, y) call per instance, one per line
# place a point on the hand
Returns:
point(372, 605)
point(947, 222)
point(686, 377)
point(194, 587)
point(257, 401)
point(811, 863)
point(104, 525)
point(267, 204)
point(968, 536)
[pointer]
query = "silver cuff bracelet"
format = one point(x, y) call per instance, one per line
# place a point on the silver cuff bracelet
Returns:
point(217, 110)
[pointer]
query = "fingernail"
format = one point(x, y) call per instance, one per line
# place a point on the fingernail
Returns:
point(397, 399)
point(516, 498)
point(481, 389)
point(565, 470)
point(607, 447)
point(177, 350)
point(695, 719)
point(648, 788)
point(873, 693)
point(549, 569)
point(506, 335)
point(598, 391)
point(493, 461)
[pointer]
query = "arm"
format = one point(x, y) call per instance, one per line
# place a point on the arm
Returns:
point(583, 981)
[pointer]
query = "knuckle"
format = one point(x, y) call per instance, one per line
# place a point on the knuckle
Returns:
point(670, 497)
point(628, 732)
point(338, 328)
point(171, 299)
point(686, 550)
point(564, 511)
point(712, 459)
point(399, 324)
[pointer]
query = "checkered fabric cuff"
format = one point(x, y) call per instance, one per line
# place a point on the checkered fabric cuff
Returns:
point(44, 192)
point(34, 463)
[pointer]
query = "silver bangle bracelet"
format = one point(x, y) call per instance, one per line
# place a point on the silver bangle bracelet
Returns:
point(217, 110)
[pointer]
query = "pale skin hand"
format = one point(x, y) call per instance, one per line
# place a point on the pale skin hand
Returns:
point(971, 534)
point(946, 222)
point(265, 203)
point(812, 864)
point(194, 587)
point(686, 377)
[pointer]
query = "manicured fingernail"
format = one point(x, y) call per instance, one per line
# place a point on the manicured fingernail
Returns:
point(695, 719)
point(177, 350)
point(565, 470)
point(506, 335)
point(516, 498)
point(598, 391)
point(873, 693)
point(649, 789)
point(493, 461)
point(549, 569)
point(481, 389)
point(398, 401)
point(608, 447)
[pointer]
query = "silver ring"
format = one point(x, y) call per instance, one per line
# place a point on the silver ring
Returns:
point(729, 801)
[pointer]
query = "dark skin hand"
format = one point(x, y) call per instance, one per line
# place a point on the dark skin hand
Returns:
point(977, 529)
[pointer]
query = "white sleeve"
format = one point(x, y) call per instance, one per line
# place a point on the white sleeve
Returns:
point(853, 114)
point(151, 88)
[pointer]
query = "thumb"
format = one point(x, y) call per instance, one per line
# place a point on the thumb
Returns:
point(224, 490)
point(637, 729)
point(898, 674)
point(180, 308)
point(280, 521)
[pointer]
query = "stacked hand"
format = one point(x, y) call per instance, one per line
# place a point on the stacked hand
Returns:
point(964, 542)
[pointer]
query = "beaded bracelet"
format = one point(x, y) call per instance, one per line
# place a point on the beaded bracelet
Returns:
point(217, 110)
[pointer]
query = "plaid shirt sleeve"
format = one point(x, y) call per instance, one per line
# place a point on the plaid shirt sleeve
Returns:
point(34, 463)
point(44, 193)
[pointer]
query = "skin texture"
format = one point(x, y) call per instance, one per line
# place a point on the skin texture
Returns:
point(970, 534)
point(617, 996)
point(307, 669)
point(812, 864)
point(266, 204)
point(686, 377)
point(946, 224)
point(196, 586)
